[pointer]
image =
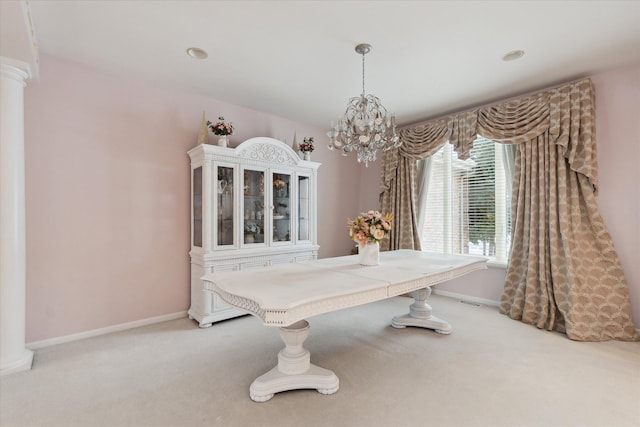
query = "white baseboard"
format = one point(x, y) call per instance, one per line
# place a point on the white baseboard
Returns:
point(102, 331)
point(164, 318)
point(467, 298)
point(22, 364)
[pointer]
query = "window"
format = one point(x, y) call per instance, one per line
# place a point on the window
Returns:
point(467, 208)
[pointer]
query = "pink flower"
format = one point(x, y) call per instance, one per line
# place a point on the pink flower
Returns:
point(370, 226)
point(221, 128)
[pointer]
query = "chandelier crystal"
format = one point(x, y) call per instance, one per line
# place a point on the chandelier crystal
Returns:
point(366, 126)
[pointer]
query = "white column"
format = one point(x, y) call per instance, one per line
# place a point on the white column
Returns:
point(14, 356)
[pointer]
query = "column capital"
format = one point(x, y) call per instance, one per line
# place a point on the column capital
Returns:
point(15, 70)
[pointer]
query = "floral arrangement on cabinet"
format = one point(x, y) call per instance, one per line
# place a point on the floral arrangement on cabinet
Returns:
point(220, 127)
point(307, 147)
point(371, 226)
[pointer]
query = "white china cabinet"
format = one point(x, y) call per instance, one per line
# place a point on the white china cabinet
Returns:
point(251, 206)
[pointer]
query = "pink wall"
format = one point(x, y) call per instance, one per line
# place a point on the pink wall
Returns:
point(107, 180)
point(618, 133)
point(370, 186)
point(107, 194)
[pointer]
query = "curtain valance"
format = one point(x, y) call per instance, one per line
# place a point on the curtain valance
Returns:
point(565, 112)
point(516, 121)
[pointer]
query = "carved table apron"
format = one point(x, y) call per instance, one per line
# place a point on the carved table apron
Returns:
point(286, 295)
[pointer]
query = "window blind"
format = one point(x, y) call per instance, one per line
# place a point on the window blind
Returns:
point(467, 208)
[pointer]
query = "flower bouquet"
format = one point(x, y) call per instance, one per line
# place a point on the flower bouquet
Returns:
point(306, 148)
point(220, 128)
point(307, 145)
point(370, 226)
point(367, 230)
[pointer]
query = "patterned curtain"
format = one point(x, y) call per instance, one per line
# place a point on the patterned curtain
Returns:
point(563, 272)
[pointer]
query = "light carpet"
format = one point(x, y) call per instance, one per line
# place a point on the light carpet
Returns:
point(491, 371)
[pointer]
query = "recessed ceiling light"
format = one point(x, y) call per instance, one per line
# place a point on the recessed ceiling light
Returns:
point(513, 55)
point(197, 53)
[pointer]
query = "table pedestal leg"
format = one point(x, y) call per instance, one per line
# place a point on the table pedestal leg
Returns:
point(294, 370)
point(420, 315)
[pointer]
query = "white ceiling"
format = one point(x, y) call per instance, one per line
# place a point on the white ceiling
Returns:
point(296, 59)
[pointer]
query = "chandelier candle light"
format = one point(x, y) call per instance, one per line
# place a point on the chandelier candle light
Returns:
point(366, 125)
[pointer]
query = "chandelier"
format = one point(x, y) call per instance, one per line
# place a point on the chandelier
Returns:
point(366, 126)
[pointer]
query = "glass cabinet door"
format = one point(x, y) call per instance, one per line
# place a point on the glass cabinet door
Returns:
point(225, 201)
point(304, 207)
point(253, 223)
point(281, 207)
point(197, 206)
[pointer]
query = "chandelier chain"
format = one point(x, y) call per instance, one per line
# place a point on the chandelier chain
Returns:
point(363, 92)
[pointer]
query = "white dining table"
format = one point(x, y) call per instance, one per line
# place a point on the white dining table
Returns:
point(286, 295)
